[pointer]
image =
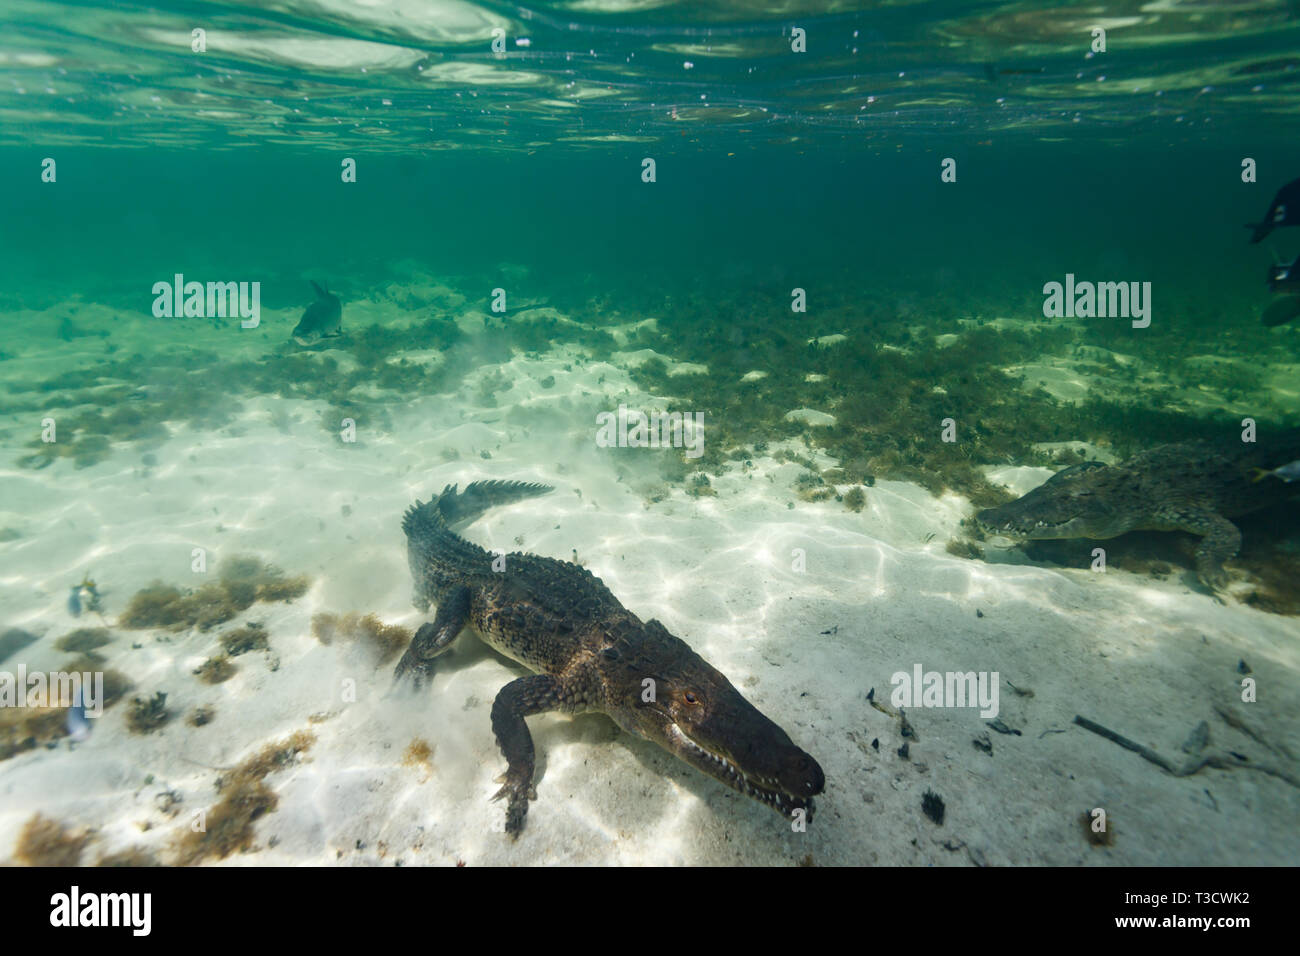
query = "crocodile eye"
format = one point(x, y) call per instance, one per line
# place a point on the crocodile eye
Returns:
point(690, 697)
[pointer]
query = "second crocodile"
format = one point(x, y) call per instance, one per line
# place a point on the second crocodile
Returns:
point(588, 653)
point(1189, 486)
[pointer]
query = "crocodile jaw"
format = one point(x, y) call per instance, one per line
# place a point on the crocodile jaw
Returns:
point(1040, 529)
point(767, 790)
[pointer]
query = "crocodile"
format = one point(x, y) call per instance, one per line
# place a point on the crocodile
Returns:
point(588, 653)
point(1194, 486)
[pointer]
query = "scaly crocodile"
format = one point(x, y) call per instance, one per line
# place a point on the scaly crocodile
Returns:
point(1190, 486)
point(588, 653)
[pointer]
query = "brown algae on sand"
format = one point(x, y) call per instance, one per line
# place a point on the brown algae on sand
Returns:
point(84, 640)
point(388, 640)
point(245, 798)
point(146, 716)
point(132, 856)
point(419, 754)
point(216, 670)
point(250, 637)
point(46, 842)
point(244, 581)
point(26, 728)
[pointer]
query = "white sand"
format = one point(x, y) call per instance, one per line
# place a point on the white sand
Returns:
point(879, 594)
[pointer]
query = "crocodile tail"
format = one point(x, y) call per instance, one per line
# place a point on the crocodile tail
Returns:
point(453, 507)
point(479, 496)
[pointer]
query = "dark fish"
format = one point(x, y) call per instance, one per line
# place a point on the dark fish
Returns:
point(74, 601)
point(1285, 276)
point(322, 320)
point(1284, 211)
point(1281, 310)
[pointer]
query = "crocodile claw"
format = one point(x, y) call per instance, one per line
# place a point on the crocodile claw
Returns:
point(518, 794)
point(419, 671)
point(417, 662)
point(1213, 576)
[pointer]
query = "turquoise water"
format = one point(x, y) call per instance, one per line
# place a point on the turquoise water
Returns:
point(909, 184)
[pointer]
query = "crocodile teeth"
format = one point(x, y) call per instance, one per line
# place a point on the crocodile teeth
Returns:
point(762, 789)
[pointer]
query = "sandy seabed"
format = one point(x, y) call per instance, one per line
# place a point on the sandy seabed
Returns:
point(877, 594)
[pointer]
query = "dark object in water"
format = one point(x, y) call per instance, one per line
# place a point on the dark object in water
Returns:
point(322, 320)
point(1285, 276)
point(94, 598)
point(13, 640)
point(1190, 486)
point(932, 807)
point(1278, 65)
point(1283, 211)
point(1281, 310)
point(991, 73)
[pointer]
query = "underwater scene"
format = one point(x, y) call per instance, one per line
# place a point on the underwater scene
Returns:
point(637, 432)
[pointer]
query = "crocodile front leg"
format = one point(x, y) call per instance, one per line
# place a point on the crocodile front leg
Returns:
point(1221, 540)
point(432, 639)
point(517, 700)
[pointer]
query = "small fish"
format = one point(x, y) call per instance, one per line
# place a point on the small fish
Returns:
point(1289, 472)
point(322, 320)
point(1283, 211)
point(74, 601)
point(1285, 276)
point(78, 725)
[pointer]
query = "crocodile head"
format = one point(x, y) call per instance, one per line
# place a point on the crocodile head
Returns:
point(1070, 504)
point(700, 717)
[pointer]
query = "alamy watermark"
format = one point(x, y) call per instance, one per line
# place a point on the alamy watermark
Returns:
point(213, 300)
point(923, 688)
point(1087, 300)
point(84, 690)
point(129, 910)
point(629, 428)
